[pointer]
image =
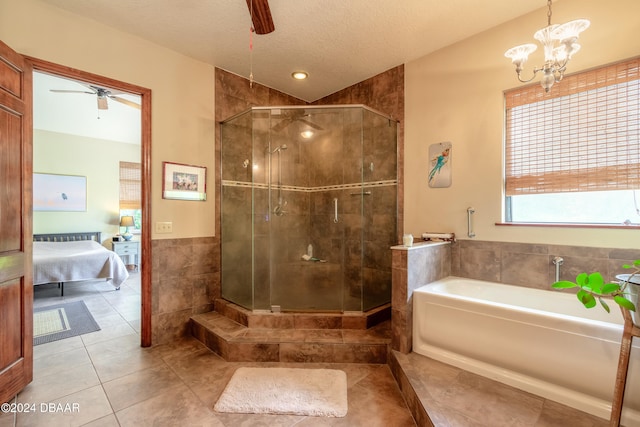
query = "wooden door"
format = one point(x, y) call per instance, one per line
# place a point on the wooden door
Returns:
point(16, 276)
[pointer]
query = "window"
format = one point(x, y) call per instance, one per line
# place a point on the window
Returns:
point(573, 155)
point(130, 192)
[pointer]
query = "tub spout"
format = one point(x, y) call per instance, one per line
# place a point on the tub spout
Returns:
point(557, 261)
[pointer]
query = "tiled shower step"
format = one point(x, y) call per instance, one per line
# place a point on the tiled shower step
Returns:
point(239, 343)
point(301, 320)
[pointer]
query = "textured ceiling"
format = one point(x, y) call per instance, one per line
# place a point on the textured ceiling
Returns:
point(338, 42)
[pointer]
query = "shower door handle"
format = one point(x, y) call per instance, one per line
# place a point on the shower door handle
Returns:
point(335, 210)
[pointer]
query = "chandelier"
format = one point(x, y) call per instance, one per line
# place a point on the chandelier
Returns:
point(560, 44)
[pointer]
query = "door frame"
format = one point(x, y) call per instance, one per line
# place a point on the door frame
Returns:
point(145, 159)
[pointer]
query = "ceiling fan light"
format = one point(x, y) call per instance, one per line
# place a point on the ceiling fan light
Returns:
point(102, 103)
point(299, 75)
point(306, 134)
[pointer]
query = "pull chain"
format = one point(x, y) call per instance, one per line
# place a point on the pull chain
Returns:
point(251, 31)
point(251, 56)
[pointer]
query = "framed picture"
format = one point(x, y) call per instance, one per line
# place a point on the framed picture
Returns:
point(183, 182)
point(66, 193)
point(440, 165)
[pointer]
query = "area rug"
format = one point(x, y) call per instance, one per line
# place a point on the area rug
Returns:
point(311, 392)
point(60, 321)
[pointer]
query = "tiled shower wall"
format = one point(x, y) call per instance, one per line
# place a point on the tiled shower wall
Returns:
point(384, 93)
point(355, 147)
point(519, 264)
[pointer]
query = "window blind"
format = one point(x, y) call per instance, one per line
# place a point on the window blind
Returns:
point(130, 185)
point(582, 136)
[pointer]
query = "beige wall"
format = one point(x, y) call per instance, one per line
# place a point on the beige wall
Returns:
point(96, 159)
point(452, 95)
point(182, 88)
point(455, 95)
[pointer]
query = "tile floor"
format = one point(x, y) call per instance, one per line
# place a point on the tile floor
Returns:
point(109, 380)
point(112, 381)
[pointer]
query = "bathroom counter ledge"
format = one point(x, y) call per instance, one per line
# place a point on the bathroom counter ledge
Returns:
point(418, 245)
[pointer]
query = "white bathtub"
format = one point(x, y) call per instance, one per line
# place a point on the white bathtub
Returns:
point(544, 342)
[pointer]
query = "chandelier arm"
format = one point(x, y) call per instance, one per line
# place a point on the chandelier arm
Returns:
point(533, 76)
point(561, 67)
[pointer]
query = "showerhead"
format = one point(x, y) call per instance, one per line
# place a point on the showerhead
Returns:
point(280, 148)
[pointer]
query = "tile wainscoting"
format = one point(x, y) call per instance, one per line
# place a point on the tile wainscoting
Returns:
point(185, 281)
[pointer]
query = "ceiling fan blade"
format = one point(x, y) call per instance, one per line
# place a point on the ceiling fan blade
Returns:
point(72, 91)
point(261, 16)
point(283, 124)
point(102, 103)
point(313, 125)
point(125, 102)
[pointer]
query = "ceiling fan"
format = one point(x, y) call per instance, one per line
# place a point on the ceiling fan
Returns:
point(290, 116)
point(102, 96)
point(261, 16)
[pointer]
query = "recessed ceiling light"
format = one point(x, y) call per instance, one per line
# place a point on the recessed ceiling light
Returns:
point(299, 75)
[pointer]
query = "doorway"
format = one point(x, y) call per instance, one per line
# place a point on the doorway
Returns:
point(144, 255)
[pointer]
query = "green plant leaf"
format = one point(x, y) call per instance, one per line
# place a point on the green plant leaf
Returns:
point(604, 305)
point(595, 282)
point(610, 288)
point(624, 303)
point(586, 298)
point(564, 284)
point(582, 279)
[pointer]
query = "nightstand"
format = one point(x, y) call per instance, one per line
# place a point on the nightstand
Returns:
point(128, 248)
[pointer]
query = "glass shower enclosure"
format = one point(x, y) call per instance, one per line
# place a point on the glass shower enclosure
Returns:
point(309, 208)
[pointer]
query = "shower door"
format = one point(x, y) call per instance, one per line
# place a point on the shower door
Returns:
point(309, 208)
point(379, 208)
point(315, 222)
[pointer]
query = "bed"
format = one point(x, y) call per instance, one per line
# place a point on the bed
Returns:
point(72, 257)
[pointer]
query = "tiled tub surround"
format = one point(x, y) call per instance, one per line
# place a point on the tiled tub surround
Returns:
point(519, 264)
point(413, 267)
point(536, 340)
point(529, 265)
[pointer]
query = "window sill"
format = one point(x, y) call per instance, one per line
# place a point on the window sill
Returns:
point(568, 225)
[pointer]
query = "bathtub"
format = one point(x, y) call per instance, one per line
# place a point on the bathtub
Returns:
point(543, 342)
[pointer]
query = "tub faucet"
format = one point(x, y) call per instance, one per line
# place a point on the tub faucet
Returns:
point(557, 261)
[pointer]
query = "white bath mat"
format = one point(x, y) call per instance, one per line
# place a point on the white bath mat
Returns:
point(314, 392)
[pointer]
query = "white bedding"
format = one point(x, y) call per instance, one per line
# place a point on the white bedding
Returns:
point(78, 260)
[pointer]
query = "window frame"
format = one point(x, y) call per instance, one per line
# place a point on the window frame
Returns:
point(581, 86)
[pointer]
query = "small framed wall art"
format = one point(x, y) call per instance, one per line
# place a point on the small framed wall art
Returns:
point(183, 182)
point(61, 193)
point(440, 165)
